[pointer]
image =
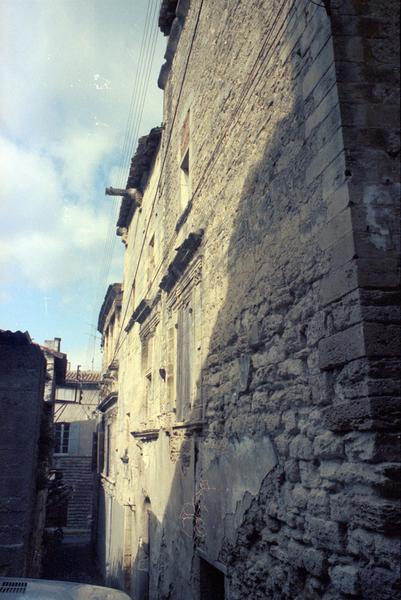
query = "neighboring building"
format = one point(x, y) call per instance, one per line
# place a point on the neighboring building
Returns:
point(110, 514)
point(74, 428)
point(253, 431)
point(25, 449)
point(56, 366)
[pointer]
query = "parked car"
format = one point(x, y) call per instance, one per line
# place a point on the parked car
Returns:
point(42, 589)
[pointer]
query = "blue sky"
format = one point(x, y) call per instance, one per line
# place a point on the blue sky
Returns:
point(67, 76)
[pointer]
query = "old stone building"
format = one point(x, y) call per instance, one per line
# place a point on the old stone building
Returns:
point(74, 428)
point(109, 523)
point(28, 377)
point(252, 419)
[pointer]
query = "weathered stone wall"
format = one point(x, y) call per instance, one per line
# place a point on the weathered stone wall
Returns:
point(110, 536)
point(22, 377)
point(283, 474)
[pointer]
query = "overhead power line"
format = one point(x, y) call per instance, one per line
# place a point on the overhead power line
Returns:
point(118, 344)
point(138, 97)
point(254, 76)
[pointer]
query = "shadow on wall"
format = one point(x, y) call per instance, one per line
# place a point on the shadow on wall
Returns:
point(248, 491)
point(230, 487)
point(118, 564)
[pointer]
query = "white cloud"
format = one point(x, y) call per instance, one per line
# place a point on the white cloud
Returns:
point(46, 239)
point(66, 79)
point(81, 154)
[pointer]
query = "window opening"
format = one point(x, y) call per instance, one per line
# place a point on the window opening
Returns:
point(151, 259)
point(132, 298)
point(185, 181)
point(185, 362)
point(62, 438)
point(108, 450)
point(185, 175)
point(147, 369)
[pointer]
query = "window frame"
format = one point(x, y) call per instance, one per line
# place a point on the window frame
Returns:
point(65, 431)
point(185, 296)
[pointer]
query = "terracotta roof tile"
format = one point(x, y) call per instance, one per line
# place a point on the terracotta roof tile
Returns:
point(84, 376)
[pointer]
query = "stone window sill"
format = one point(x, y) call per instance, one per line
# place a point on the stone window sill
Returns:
point(192, 425)
point(146, 434)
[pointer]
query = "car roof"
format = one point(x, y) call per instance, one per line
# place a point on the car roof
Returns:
point(43, 589)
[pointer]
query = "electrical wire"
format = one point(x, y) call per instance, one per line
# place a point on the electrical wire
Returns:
point(131, 112)
point(144, 65)
point(317, 4)
point(247, 88)
point(141, 81)
point(118, 345)
point(105, 264)
point(255, 75)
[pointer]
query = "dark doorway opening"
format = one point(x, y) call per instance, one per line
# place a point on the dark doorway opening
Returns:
point(211, 582)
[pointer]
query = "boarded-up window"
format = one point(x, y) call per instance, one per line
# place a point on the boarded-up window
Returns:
point(170, 375)
point(147, 370)
point(183, 352)
point(185, 360)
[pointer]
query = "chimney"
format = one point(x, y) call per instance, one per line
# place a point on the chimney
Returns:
point(53, 344)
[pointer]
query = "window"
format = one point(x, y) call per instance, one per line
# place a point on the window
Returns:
point(170, 375)
point(62, 438)
point(132, 299)
point(108, 450)
point(185, 361)
point(107, 446)
point(151, 260)
point(185, 178)
point(185, 188)
point(183, 353)
point(66, 394)
point(147, 369)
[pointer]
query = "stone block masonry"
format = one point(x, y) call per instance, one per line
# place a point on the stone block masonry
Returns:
point(273, 456)
point(22, 377)
point(77, 473)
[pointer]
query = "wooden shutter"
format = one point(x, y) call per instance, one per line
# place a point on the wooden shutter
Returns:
point(180, 366)
point(184, 362)
point(170, 366)
point(73, 442)
point(100, 451)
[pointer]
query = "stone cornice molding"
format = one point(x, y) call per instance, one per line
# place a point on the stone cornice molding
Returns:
point(180, 295)
point(148, 328)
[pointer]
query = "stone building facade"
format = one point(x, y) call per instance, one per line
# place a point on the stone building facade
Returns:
point(109, 523)
point(74, 430)
point(28, 376)
point(256, 412)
